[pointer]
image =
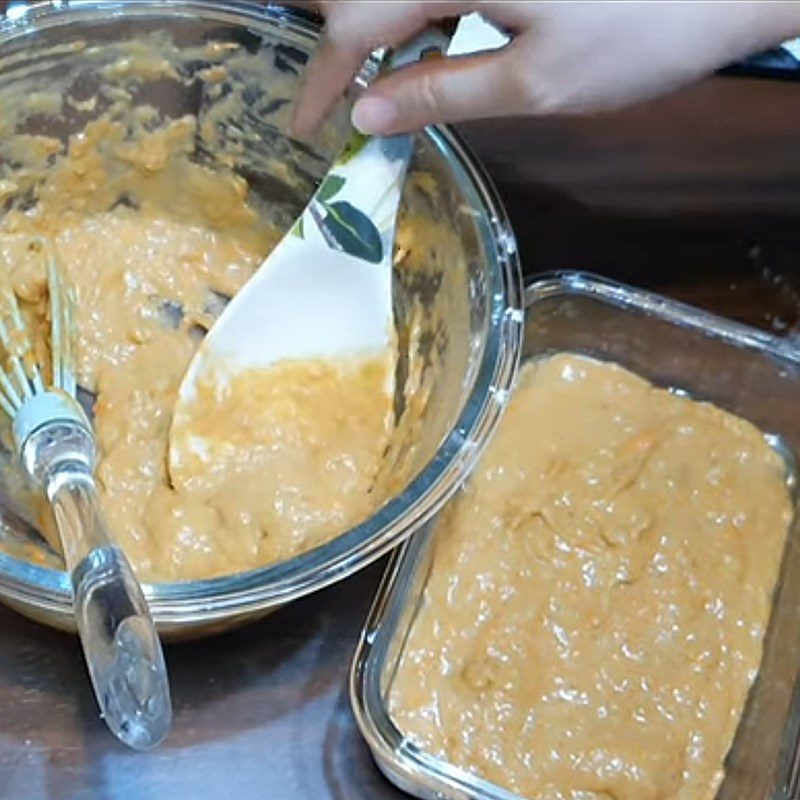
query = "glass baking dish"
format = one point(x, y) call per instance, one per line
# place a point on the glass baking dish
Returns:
point(750, 373)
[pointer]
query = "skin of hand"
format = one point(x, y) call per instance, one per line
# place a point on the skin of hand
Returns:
point(564, 58)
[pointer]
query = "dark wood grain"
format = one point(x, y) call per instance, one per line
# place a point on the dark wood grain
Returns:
point(697, 195)
point(260, 712)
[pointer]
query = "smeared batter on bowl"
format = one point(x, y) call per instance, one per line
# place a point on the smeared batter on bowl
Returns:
point(598, 596)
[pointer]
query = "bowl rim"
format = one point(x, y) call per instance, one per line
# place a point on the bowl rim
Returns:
point(196, 602)
point(43, 14)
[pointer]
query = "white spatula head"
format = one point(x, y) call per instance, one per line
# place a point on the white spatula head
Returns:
point(325, 292)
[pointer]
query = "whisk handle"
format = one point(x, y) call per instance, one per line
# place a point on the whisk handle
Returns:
point(119, 639)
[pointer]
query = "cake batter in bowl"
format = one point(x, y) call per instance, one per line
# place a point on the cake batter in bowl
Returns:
point(149, 142)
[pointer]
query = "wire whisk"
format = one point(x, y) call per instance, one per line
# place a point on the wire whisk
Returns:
point(56, 445)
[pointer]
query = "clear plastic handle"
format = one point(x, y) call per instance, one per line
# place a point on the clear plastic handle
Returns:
point(120, 643)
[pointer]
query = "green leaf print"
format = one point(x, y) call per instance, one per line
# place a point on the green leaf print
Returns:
point(353, 147)
point(297, 229)
point(330, 186)
point(353, 231)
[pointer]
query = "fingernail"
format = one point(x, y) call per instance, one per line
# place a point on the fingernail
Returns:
point(374, 114)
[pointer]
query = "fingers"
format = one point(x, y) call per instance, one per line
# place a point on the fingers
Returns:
point(353, 30)
point(442, 90)
point(326, 77)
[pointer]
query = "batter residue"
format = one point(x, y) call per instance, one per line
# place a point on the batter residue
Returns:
point(598, 597)
point(152, 243)
point(291, 456)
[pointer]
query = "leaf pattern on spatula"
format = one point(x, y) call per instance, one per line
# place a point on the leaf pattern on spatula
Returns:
point(353, 147)
point(331, 186)
point(346, 228)
point(343, 226)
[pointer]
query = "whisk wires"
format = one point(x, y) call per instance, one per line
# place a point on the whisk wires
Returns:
point(20, 373)
point(62, 326)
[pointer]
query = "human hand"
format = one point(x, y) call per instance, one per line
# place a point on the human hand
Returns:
point(564, 58)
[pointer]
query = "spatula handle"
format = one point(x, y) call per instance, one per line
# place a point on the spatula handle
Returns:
point(120, 643)
point(433, 41)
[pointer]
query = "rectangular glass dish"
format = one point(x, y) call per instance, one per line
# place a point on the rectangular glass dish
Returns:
point(744, 371)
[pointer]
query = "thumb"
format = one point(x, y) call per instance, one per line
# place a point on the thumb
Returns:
point(448, 89)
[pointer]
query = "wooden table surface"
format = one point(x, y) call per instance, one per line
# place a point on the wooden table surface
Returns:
point(697, 195)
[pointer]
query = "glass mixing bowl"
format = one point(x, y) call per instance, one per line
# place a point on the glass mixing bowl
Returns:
point(64, 63)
